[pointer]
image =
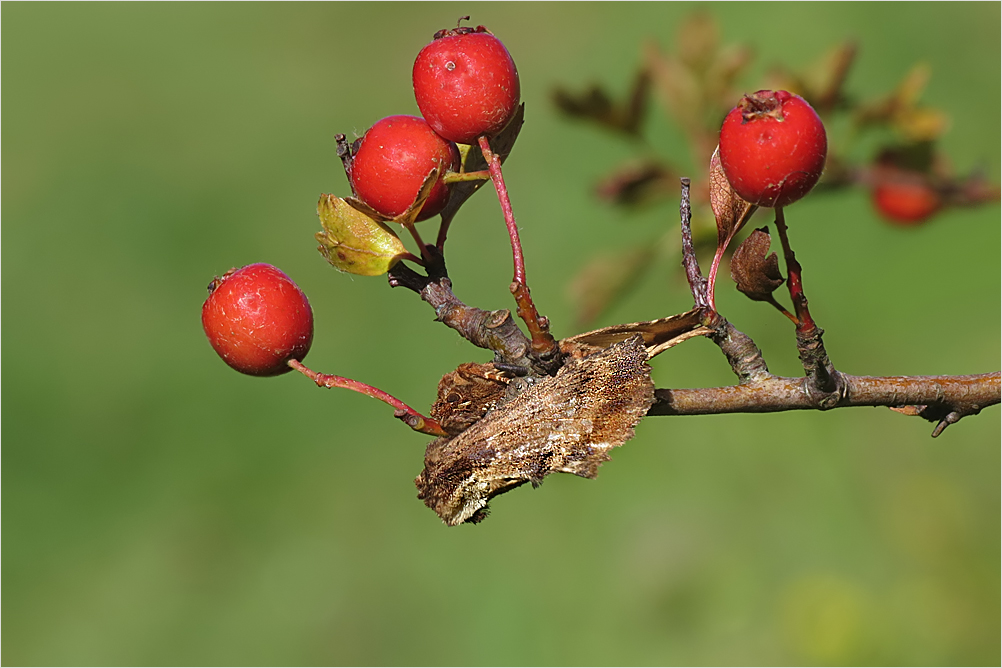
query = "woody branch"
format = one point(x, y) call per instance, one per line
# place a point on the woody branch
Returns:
point(940, 399)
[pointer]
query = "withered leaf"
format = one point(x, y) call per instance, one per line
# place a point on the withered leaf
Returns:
point(353, 241)
point(821, 82)
point(638, 182)
point(830, 76)
point(729, 209)
point(902, 111)
point(698, 41)
point(917, 157)
point(677, 87)
point(596, 105)
point(657, 335)
point(472, 159)
point(593, 104)
point(565, 423)
point(756, 273)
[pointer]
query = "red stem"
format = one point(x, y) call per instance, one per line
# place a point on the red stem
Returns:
point(412, 228)
point(711, 280)
point(543, 344)
point(794, 280)
point(410, 417)
point(494, 165)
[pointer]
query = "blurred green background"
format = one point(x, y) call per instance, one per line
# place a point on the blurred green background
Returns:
point(159, 508)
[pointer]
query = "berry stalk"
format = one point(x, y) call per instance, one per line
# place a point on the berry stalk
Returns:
point(794, 281)
point(494, 167)
point(408, 415)
point(782, 309)
point(425, 258)
point(543, 344)
point(825, 383)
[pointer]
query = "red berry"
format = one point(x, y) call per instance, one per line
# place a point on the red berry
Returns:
point(392, 161)
point(772, 148)
point(257, 319)
point(905, 202)
point(466, 84)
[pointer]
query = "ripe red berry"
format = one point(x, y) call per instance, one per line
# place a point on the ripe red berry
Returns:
point(392, 161)
point(466, 84)
point(773, 148)
point(257, 319)
point(905, 202)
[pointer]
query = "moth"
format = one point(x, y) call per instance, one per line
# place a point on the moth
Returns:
point(506, 431)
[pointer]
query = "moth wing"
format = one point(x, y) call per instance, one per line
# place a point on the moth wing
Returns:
point(566, 423)
point(658, 335)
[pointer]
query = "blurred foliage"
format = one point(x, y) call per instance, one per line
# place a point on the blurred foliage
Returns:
point(698, 85)
point(161, 509)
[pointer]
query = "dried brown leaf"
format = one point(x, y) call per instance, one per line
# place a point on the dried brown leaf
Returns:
point(598, 106)
point(730, 211)
point(677, 87)
point(638, 182)
point(698, 40)
point(594, 104)
point(902, 111)
point(753, 269)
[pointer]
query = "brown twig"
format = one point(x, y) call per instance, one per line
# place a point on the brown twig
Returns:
point(697, 284)
point(943, 399)
point(742, 354)
point(492, 330)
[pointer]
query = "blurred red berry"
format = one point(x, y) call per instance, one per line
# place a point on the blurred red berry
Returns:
point(392, 161)
point(257, 319)
point(466, 84)
point(773, 148)
point(905, 202)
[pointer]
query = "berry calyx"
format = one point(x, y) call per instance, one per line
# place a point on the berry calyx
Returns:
point(466, 84)
point(905, 202)
point(393, 159)
point(773, 148)
point(257, 319)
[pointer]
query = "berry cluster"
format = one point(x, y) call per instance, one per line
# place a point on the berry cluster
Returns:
point(466, 87)
point(403, 169)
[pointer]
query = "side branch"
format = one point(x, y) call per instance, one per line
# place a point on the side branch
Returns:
point(697, 284)
point(943, 399)
point(493, 330)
